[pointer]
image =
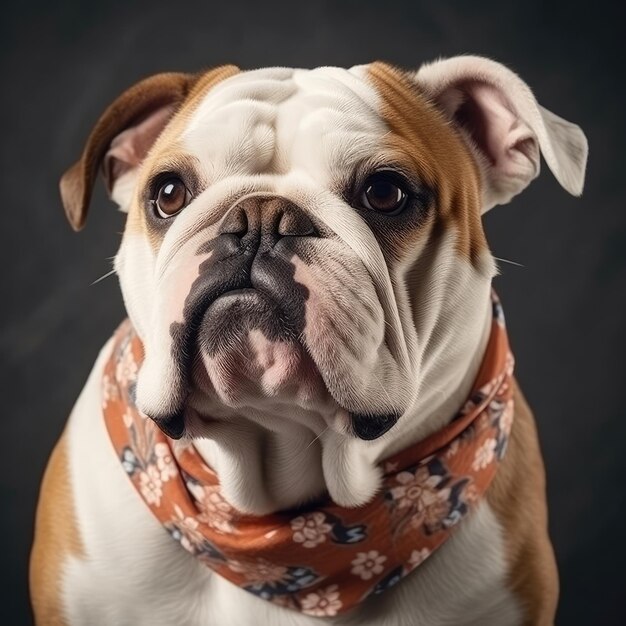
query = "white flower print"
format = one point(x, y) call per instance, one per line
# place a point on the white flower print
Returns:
point(259, 571)
point(150, 485)
point(188, 526)
point(109, 390)
point(418, 489)
point(506, 420)
point(471, 494)
point(488, 388)
point(311, 529)
point(127, 418)
point(510, 364)
point(216, 512)
point(165, 461)
point(324, 602)
point(367, 564)
point(421, 492)
point(482, 421)
point(453, 448)
point(126, 369)
point(485, 454)
point(417, 557)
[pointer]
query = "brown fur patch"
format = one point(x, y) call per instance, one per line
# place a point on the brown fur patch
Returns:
point(424, 142)
point(518, 497)
point(56, 539)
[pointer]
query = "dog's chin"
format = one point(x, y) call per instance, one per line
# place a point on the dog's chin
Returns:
point(248, 352)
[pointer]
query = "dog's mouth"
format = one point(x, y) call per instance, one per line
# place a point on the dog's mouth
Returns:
point(248, 350)
point(277, 332)
point(248, 346)
point(242, 311)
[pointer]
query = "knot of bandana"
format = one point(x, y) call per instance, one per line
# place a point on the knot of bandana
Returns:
point(324, 559)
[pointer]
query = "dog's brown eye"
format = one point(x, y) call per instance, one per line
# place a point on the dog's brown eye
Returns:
point(383, 194)
point(171, 198)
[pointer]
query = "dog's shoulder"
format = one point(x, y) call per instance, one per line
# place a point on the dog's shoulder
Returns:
point(518, 498)
point(57, 537)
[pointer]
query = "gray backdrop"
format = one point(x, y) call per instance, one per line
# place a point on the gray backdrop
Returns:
point(63, 62)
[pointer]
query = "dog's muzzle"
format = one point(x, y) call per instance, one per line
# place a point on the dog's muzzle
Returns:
point(247, 283)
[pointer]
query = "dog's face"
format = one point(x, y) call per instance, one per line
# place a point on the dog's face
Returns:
point(305, 247)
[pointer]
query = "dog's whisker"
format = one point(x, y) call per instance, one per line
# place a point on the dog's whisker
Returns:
point(103, 277)
point(383, 389)
point(316, 438)
point(508, 261)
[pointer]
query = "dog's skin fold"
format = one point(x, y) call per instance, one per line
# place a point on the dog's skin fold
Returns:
point(305, 264)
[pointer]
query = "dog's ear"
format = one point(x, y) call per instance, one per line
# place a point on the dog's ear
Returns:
point(504, 125)
point(125, 133)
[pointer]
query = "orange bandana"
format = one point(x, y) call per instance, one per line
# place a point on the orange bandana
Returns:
point(322, 559)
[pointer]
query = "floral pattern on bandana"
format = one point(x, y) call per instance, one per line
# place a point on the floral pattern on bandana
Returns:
point(322, 603)
point(427, 498)
point(310, 530)
point(324, 559)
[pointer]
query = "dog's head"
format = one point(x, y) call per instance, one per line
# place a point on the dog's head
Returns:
point(305, 247)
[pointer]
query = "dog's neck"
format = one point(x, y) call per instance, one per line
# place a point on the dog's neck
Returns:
point(267, 464)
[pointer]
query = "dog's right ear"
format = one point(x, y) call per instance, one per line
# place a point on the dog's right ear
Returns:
point(125, 133)
point(505, 127)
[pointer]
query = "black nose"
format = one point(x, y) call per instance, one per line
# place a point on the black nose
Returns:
point(267, 220)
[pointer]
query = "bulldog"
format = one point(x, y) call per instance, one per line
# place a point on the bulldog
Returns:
point(310, 415)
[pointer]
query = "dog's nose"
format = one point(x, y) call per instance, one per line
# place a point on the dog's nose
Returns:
point(267, 219)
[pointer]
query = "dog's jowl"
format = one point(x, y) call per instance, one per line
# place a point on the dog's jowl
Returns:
point(310, 412)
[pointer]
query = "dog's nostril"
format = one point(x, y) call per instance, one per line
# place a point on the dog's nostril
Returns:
point(295, 223)
point(235, 223)
point(370, 427)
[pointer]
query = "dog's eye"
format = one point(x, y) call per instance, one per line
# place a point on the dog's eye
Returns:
point(383, 193)
point(171, 198)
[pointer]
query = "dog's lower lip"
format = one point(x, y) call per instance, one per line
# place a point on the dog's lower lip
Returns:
point(244, 291)
point(370, 427)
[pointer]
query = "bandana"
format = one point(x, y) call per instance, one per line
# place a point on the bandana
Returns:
point(322, 559)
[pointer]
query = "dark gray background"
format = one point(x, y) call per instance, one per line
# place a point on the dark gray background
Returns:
point(63, 62)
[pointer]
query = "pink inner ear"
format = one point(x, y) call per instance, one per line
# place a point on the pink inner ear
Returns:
point(502, 136)
point(130, 147)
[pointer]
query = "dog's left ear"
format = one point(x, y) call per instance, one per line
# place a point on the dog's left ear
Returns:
point(505, 126)
point(124, 134)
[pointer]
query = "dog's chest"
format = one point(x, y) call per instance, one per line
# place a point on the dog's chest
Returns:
point(134, 573)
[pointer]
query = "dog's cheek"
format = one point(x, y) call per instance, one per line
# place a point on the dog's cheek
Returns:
point(134, 265)
point(123, 190)
point(344, 322)
point(177, 284)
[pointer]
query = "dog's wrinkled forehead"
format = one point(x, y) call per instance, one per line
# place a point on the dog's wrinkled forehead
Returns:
point(278, 119)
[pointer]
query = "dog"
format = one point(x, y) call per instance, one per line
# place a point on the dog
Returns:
point(310, 416)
